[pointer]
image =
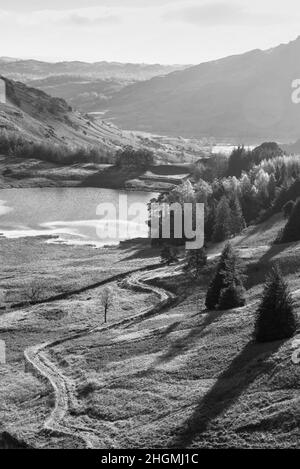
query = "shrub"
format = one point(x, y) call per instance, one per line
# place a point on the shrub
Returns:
point(168, 255)
point(276, 319)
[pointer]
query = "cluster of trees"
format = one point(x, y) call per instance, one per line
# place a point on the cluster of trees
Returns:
point(231, 202)
point(276, 317)
point(243, 160)
point(12, 144)
point(134, 158)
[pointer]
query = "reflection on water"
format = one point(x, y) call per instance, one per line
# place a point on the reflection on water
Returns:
point(73, 215)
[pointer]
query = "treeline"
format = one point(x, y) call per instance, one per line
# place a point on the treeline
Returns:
point(134, 158)
point(12, 144)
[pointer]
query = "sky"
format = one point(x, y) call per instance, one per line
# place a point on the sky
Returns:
point(148, 31)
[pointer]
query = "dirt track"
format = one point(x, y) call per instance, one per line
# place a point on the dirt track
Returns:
point(37, 361)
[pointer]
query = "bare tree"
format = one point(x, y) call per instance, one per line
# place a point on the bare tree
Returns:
point(2, 298)
point(107, 301)
point(35, 291)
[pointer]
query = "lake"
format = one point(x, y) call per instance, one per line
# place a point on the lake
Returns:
point(74, 215)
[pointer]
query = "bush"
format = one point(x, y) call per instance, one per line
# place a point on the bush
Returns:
point(168, 255)
point(276, 318)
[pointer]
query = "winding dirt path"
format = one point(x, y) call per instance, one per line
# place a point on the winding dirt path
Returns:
point(36, 359)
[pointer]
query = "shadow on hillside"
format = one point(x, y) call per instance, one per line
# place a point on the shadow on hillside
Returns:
point(184, 343)
point(260, 228)
point(112, 177)
point(256, 273)
point(243, 370)
point(139, 248)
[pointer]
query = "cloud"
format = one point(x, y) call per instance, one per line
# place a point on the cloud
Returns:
point(38, 5)
point(84, 21)
point(215, 14)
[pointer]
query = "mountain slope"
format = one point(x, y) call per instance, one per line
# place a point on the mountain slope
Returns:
point(36, 116)
point(243, 97)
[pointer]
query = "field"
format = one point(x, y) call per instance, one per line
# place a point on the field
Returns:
point(163, 372)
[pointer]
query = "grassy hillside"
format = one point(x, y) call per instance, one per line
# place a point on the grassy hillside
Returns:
point(183, 377)
point(35, 116)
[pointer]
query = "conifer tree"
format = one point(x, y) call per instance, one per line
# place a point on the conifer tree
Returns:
point(291, 231)
point(237, 219)
point(196, 259)
point(228, 275)
point(276, 318)
point(222, 225)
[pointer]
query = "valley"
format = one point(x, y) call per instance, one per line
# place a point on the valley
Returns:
point(133, 340)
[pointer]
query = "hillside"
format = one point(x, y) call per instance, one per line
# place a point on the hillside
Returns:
point(242, 98)
point(34, 115)
point(174, 376)
point(83, 93)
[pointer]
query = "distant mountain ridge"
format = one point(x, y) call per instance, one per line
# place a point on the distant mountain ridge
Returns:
point(241, 98)
point(34, 69)
point(86, 86)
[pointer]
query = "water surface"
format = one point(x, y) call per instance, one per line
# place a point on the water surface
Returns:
point(74, 215)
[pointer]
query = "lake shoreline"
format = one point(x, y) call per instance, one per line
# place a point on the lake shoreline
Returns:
point(20, 173)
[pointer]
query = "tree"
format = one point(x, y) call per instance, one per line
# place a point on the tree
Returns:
point(272, 188)
point(228, 275)
point(288, 208)
point(237, 219)
point(35, 291)
point(291, 231)
point(106, 301)
point(238, 161)
point(169, 254)
point(196, 259)
point(276, 318)
point(222, 225)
